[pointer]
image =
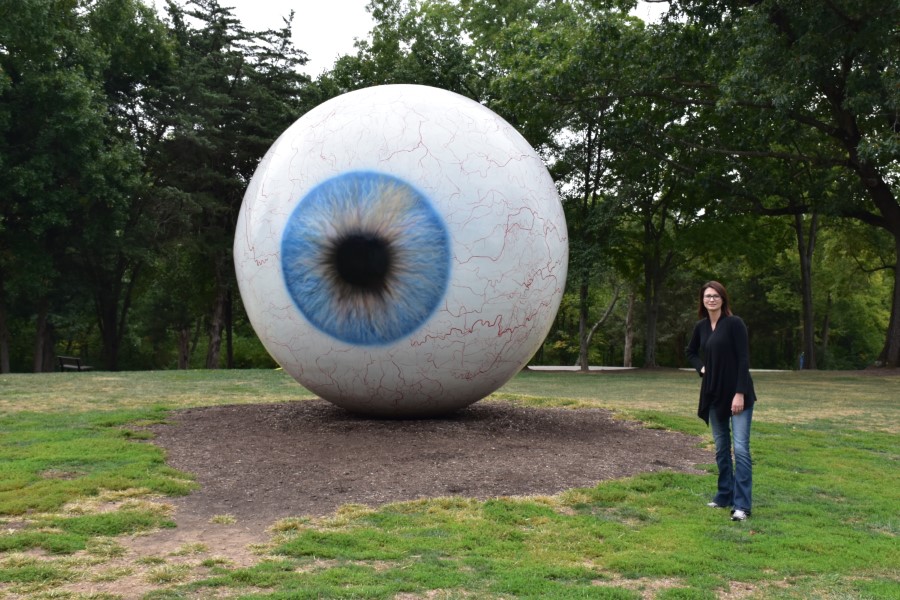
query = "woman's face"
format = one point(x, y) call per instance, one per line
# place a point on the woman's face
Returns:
point(711, 299)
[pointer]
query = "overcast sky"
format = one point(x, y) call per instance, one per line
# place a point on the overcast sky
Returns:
point(326, 29)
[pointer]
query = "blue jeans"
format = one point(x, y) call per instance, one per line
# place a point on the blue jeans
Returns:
point(735, 482)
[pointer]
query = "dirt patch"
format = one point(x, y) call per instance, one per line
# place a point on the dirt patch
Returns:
point(264, 462)
point(261, 463)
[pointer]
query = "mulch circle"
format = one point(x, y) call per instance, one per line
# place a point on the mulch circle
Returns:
point(264, 462)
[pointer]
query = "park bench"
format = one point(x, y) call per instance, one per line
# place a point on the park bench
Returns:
point(71, 363)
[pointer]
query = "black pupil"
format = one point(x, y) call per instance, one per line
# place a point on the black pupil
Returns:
point(363, 261)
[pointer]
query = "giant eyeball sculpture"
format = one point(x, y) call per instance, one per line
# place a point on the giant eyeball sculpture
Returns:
point(401, 251)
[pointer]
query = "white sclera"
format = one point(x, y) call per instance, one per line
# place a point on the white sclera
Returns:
point(507, 241)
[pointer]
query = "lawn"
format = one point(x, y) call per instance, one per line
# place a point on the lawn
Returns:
point(78, 479)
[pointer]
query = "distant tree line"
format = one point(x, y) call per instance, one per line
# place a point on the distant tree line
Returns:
point(755, 142)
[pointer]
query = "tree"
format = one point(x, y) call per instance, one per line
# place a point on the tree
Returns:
point(552, 70)
point(563, 73)
point(120, 231)
point(414, 42)
point(767, 71)
point(61, 154)
point(233, 92)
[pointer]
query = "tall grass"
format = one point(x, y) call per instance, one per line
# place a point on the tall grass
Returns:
point(825, 521)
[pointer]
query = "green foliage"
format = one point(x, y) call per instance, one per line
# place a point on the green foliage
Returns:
point(53, 149)
point(793, 96)
point(412, 42)
point(232, 92)
point(249, 353)
point(682, 149)
point(75, 189)
point(135, 128)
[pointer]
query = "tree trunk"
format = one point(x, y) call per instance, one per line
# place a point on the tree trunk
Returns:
point(184, 348)
point(653, 277)
point(656, 266)
point(650, 332)
point(48, 363)
point(4, 335)
point(229, 329)
point(40, 335)
point(109, 331)
point(826, 329)
point(890, 354)
point(629, 331)
point(113, 295)
point(216, 325)
point(590, 335)
point(198, 326)
point(583, 290)
point(805, 248)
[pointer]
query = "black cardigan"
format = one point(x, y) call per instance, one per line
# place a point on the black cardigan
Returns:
point(725, 353)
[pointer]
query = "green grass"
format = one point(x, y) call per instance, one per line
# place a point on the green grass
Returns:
point(53, 458)
point(69, 393)
point(825, 522)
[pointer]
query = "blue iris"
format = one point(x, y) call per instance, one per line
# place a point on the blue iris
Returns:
point(366, 258)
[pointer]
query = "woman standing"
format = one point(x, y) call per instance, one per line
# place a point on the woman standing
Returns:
point(719, 351)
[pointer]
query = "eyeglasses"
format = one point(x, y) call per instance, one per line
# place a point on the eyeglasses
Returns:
point(712, 297)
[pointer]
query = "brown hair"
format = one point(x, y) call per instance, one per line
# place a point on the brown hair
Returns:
point(720, 289)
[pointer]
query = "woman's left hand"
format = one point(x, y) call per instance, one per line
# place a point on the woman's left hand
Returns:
point(737, 404)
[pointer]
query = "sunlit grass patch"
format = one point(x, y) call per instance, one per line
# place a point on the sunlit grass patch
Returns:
point(541, 401)
point(290, 524)
point(420, 537)
point(344, 515)
point(25, 574)
point(191, 549)
point(65, 535)
point(263, 549)
point(866, 401)
point(111, 574)
point(223, 520)
point(166, 574)
point(104, 547)
point(91, 391)
point(138, 500)
point(645, 586)
point(216, 561)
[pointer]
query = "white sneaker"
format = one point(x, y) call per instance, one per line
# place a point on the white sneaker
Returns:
point(739, 515)
point(714, 505)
